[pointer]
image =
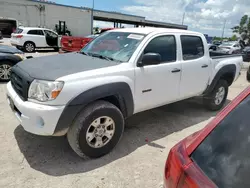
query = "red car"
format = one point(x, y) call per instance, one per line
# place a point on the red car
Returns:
point(216, 156)
point(75, 44)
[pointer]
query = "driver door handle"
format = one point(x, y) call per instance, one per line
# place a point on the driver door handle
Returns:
point(204, 66)
point(176, 70)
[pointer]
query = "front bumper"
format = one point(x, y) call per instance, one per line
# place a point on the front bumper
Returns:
point(35, 118)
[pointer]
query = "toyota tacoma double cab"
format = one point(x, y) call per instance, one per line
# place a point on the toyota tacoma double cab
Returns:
point(88, 95)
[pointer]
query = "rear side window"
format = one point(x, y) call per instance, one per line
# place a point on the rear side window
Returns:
point(165, 46)
point(192, 47)
point(18, 31)
point(35, 32)
point(224, 155)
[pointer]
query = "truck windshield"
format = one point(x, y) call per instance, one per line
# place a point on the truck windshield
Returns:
point(224, 156)
point(115, 46)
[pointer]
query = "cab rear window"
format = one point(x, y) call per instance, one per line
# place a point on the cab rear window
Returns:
point(224, 156)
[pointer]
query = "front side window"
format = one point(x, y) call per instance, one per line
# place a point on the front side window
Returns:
point(116, 46)
point(192, 47)
point(163, 45)
point(224, 155)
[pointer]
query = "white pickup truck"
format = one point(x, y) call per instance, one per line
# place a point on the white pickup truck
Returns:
point(88, 95)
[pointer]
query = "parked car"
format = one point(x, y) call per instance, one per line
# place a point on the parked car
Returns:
point(9, 56)
point(212, 47)
point(246, 54)
point(30, 38)
point(217, 43)
point(75, 44)
point(230, 47)
point(89, 94)
point(216, 156)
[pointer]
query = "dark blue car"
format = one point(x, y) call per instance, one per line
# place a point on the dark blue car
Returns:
point(9, 56)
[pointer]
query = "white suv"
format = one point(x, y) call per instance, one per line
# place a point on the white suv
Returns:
point(30, 38)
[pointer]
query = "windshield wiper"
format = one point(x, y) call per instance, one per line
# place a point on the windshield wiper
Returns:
point(84, 53)
point(101, 56)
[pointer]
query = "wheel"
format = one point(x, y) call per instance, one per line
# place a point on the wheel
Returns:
point(96, 130)
point(217, 98)
point(248, 76)
point(5, 70)
point(29, 47)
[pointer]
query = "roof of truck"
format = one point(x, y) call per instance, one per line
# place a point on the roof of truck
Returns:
point(147, 30)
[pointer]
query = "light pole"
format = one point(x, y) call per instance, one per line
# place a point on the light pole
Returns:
point(222, 35)
point(183, 17)
point(92, 16)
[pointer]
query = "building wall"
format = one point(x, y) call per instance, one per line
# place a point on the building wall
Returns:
point(34, 14)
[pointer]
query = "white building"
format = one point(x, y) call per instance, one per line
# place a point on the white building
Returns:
point(36, 14)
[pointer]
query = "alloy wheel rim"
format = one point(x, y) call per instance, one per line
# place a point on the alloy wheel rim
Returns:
point(219, 96)
point(29, 47)
point(100, 132)
point(5, 71)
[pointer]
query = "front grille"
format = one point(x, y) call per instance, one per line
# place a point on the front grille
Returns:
point(20, 82)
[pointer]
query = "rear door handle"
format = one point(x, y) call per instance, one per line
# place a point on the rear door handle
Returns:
point(204, 66)
point(176, 70)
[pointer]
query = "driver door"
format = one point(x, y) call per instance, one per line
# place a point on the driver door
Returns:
point(157, 85)
point(51, 38)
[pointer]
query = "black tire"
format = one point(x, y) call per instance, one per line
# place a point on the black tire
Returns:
point(248, 76)
point(210, 99)
point(77, 132)
point(4, 65)
point(29, 47)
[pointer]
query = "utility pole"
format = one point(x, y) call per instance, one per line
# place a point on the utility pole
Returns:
point(183, 18)
point(222, 35)
point(92, 16)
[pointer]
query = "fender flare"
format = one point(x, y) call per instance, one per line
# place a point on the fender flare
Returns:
point(224, 70)
point(120, 90)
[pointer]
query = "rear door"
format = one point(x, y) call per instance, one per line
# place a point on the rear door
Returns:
point(224, 155)
point(195, 66)
point(36, 36)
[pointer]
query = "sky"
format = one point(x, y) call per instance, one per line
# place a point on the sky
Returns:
point(206, 16)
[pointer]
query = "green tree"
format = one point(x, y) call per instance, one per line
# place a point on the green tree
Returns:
point(243, 29)
point(233, 38)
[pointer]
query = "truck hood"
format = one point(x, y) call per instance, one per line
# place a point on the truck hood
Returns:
point(56, 66)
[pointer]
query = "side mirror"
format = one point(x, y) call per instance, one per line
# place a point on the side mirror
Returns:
point(150, 59)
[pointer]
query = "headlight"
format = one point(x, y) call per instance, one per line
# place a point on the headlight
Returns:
point(45, 90)
point(22, 56)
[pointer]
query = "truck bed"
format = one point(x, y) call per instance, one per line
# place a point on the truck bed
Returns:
point(219, 55)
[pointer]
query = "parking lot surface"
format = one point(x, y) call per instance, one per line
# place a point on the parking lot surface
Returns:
point(138, 161)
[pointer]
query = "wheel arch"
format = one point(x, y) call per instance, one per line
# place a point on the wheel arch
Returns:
point(226, 73)
point(119, 94)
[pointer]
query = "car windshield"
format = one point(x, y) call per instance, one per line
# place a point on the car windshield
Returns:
point(224, 155)
point(115, 46)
